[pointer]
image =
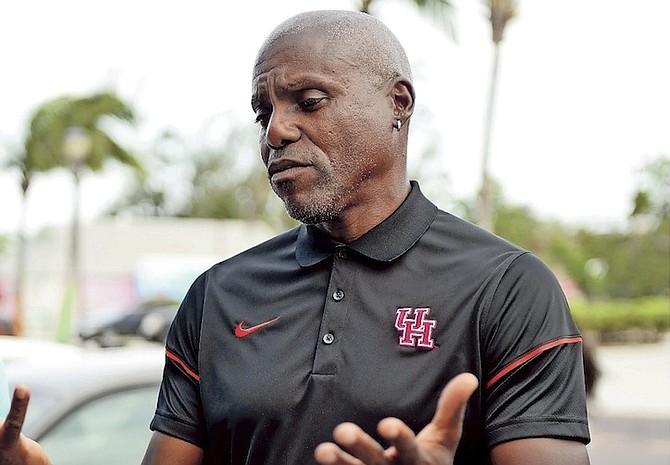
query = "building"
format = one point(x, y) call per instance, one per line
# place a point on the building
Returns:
point(122, 262)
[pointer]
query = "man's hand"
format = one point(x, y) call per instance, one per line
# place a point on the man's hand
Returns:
point(15, 448)
point(434, 445)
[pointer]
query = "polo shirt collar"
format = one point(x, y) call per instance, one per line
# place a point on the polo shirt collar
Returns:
point(385, 242)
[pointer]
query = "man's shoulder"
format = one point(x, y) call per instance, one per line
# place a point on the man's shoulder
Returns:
point(279, 246)
point(462, 233)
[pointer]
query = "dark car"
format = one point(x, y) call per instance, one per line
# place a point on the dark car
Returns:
point(89, 405)
point(149, 321)
point(6, 321)
point(5, 326)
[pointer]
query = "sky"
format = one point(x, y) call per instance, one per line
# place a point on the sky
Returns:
point(583, 94)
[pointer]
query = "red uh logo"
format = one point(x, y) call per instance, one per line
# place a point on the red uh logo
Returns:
point(414, 329)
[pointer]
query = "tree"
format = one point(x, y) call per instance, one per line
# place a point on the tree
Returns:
point(650, 220)
point(439, 11)
point(50, 123)
point(435, 8)
point(652, 197)
point(220, 179)
point(501, 11)
point(228, 184)
point(161, 191)
point(26, 167)
point(46, 148)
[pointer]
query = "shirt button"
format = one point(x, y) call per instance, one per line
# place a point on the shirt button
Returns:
point(338, 295)
point(328, 338)
point(342, 253)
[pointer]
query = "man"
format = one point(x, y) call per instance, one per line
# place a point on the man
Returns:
point(370, 307)
point(332, 342)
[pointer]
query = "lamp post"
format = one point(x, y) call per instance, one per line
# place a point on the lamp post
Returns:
point(76, 147)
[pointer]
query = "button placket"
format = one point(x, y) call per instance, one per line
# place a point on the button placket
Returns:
point(334, 314)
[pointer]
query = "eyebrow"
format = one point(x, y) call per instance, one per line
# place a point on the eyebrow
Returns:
point(302, 81)
point(256, 99)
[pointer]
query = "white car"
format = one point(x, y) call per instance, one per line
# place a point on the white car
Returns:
point(90, 406)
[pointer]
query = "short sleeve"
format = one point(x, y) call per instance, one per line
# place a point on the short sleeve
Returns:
point(179, 411)
point(533, 368)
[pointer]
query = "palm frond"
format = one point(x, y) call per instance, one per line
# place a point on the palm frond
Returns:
point(441, 12)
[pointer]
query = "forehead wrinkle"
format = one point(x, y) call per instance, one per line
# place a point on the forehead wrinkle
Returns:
point(287, 78)
point(362, 41)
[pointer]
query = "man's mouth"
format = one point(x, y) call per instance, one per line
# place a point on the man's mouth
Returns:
point(281, 165)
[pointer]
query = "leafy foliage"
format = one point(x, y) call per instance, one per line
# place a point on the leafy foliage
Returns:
point(615, 264)
point(438, 11)
point(51, 121)
point(223, 181)
point(612, 315)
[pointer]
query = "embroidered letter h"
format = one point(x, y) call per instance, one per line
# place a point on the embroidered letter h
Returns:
point(417, 331)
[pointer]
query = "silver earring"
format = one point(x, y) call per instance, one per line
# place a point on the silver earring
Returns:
point(397, 124)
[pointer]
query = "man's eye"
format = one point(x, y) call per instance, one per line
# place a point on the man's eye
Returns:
point(309, 103)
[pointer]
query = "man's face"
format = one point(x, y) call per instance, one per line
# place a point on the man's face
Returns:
point(323, 127)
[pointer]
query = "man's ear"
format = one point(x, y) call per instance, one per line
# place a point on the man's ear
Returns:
point(402, 94)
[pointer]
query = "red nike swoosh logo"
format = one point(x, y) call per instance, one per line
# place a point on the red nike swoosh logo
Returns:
point(244, 332)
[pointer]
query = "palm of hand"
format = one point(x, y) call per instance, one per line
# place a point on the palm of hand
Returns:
point(434, 445)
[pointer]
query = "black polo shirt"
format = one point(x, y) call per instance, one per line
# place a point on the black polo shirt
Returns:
point(272, 348)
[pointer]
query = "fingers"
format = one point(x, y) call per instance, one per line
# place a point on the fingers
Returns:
point(16, 415)
point(447, 424)
point(405, 447)
point(360, 447)
point(438, 440)
point(328, 453)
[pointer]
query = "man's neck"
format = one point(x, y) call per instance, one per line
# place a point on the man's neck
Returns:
point(361, 218)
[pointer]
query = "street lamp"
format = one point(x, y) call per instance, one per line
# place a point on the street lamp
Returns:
point(76, 147)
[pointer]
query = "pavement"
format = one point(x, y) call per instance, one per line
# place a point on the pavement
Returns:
point(630, 413)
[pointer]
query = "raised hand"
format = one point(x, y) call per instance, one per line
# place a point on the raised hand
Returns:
point(434, 445)
point(15, 448)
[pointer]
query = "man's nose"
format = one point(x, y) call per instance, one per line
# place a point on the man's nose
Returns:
point(282, 129)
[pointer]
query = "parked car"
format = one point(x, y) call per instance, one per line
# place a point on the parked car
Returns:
point(92, 406)
point(15, 349)
point(5, 326)
point(6, 320)
point(149, 320)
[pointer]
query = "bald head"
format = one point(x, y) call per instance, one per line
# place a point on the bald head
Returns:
point(368, 43)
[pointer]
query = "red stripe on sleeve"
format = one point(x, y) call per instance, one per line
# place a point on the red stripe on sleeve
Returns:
point(530, 355)
point(185, 367)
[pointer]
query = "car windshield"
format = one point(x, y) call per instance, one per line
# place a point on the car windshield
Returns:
point(41, 402)
point(109, 430)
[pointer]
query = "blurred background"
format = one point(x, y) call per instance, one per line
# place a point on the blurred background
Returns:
point(129, 165)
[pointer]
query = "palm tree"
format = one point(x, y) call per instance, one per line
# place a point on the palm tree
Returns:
point(51, 122)
point(50, 144)
point(501, 11)
point(26, 168)
point(436, 6)
point(436, 10)
point(27, 162)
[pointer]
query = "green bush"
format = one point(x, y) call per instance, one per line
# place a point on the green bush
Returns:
point(606, 316)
